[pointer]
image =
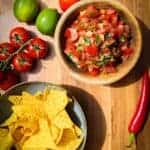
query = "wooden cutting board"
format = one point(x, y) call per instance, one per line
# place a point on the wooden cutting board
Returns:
point(108, 108)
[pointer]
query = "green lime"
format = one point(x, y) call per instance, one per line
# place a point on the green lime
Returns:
point(26, 10)
point(47, 20)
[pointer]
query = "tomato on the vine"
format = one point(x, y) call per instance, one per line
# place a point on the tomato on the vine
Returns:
point(37, 48)
point(5, 50)
point(22, 63)
point(19, 35)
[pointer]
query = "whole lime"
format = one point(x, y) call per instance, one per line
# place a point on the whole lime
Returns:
point(26, 10)
point(47, 20)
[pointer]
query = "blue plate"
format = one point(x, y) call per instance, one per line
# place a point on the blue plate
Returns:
point(74, 109)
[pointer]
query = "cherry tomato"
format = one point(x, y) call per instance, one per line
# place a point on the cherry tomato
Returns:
point(10, 79)
point(65, 4)
point(22, 63)
point(18, 36)
point(94, 71)
point(5, 50)
point(37, 48)
point(92, 50)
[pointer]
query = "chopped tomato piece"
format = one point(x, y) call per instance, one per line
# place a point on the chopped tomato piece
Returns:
point(110, 69)
point(127, 51)
point(110, 11)
point(92, 50)
point(94, 71)
point(114, 19)
point(120, 29)
point(92, 11)
point(72, 34)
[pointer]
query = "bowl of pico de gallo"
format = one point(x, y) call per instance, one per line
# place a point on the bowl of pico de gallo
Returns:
point(98, 42)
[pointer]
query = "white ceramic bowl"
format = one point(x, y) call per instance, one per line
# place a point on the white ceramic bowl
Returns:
point(124, 68)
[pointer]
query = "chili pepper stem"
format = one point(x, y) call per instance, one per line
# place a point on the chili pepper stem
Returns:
point(132, 139)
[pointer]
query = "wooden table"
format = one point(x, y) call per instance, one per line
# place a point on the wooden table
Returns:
point(108, 108)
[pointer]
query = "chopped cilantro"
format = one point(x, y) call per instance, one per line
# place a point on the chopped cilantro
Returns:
point(122, 39)
point(79, 47)
point(87, 40)
point(98, 40)
point(104, 60)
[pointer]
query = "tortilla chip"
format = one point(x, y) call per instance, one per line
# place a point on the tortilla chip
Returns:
point(41, 139)
point(62, 120)
point(56, 133)
point(6, 142)
point(69, 141)
point(56, 101)
point(3, 132)
point(16, 100)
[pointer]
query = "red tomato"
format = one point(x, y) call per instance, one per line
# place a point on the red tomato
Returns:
point(127, 51)
point(37, 48)
point(71, 34)
point(5, 50)
point(10, 79)
point(114, 20)
point(71, 49)
point(110, 69)
point(65, 4)
point(94, 71)
point(92, 11)
point(120, 29)
point(92, 50)
point(110, 11)
point(19, 35)
point(22, 63)
point(2, 75)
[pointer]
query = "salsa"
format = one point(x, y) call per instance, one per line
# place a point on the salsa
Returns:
point(98, 40)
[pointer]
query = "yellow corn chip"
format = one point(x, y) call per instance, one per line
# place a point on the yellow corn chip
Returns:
point(69, 140)
point(56, 101)
point(16, 100)
point(56, 133)
point(41, 139)
point(62, 120)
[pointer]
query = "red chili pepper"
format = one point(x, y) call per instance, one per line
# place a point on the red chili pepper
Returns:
point(141, 112)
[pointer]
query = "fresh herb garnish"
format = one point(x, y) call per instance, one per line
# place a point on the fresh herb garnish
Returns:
point(98, 40)
point(104, 60)
point(87, 40)
point(122, 39)
point(79, 48)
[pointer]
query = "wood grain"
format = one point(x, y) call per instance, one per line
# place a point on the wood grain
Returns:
point(108, 108)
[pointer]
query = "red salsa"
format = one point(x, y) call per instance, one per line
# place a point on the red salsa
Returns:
point(98, 40)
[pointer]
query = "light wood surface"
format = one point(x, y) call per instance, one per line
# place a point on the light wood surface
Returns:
point(108, 108)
